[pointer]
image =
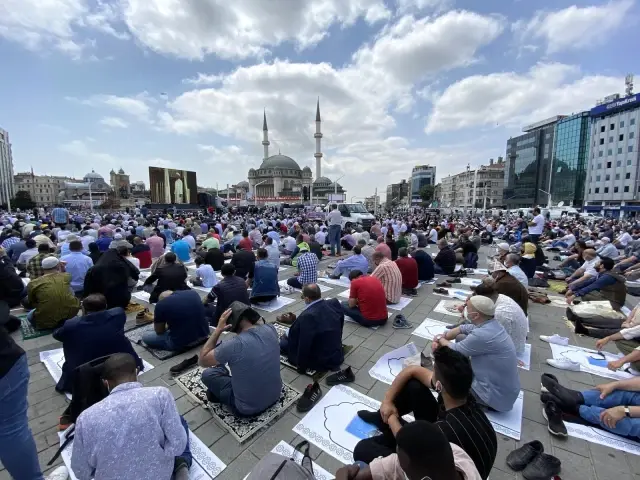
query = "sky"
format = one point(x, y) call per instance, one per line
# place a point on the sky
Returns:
point(103, 84)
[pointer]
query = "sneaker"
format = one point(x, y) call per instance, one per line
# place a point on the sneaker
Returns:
point(555, 339)
point(401, 323)
point(309, 398)
point(441, 291)
point(564, 364)
point(343, 376)
point(553, 415)
point(567, 398)
point(372, 418)
point(144, 317)
point(60, 473)
point(183, 365)
point(523, 456)
point(543, 467)
point(454, 280)
point(444, 284)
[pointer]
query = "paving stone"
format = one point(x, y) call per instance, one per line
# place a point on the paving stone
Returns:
point(197, 417)
point(358, 357)
point(239, 468)
point(209, 432)
point(573, 466)
point(281, 430)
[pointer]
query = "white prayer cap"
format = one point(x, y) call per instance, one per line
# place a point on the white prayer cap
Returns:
point(50, 262)
point(606, 239)
point(117, 236)
point(503, 246)
point(482, 304)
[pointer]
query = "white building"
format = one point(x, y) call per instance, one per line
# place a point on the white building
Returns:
point(481, 188)
point(421, 175)
point(6, 168)
point(44, 190)
point(613, 186)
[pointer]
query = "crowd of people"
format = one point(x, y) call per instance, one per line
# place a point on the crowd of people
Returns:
point(75, 272)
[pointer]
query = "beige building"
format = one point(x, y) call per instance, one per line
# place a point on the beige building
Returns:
point(480, 188)
point(43, 189)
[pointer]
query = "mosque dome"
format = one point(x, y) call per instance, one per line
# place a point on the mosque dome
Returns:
point(306, 169)
point(121, 171)
point(92, 176)
point(280, 161)
point(322, 181)
point(243, 184)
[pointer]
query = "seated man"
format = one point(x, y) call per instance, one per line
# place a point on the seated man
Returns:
point(292, 259)
point(244, 261)
point(28, 254)
point(609, 286)
point(253, 356)
point(182, 250)
point(409, 270)
point(383, 248)
point(96, 333)
point(153, 440)
point(389, 275)
point(50, 297)
point(215, 258)
point(613, 406)
point(13, 290)
point(508, 285)
point(315, 247)
point(228, 290)
point(170, 275)
point(460, 418)
point(607, 249)
point(34, 264)
point(528, 262)
point(205, 276)
point(76, 264)
point(307, 269)
point(367, 252)
point(357, 261)
point(367, 304)
point(142, 252)
point(496, 383)
point(627, 340)
point(348, 241)
point(512, 264)
point(315, 338)
point(264, 279)
point(445, 261)
point(111, 275)
point(178, 321)
point(426, 267)
point(586, 274)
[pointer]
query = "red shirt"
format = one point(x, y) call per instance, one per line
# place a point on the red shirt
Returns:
point(409, 270)
point(372, 300)
point(245, 244)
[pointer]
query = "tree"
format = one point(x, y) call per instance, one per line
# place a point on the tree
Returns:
point(22, 200)
point(427, 192)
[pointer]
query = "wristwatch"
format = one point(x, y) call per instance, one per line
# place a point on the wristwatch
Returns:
point(627, 412)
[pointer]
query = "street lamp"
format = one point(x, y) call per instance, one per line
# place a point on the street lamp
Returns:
point(255, 194)
point(548, 198)
point(335, 185)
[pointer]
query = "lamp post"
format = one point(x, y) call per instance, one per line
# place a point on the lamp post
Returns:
point(255, 193)
point(335, 185)
point(548, 197)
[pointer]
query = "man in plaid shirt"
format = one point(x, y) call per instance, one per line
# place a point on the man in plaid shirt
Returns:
point(34, 265)
point(307, 268)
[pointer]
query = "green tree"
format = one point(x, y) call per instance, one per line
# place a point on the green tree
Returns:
point(22, 200)
point(427, 192)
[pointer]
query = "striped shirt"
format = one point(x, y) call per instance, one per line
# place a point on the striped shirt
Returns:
point(468, 427)
point(308, 268)
point(389, 275)
point(59, 215)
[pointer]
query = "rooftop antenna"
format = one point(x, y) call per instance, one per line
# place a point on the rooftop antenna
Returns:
point(628, 81)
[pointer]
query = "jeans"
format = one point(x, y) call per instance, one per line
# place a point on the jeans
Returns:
point(578, 285)
point(414, 397)
point(159, 342)
point(186, 455)
point(294, 282)
point(356, 315)
point(31, 318)
point(593, 406)
point(18, 451)
point(558, 243)
point(334, 238)
point(437, 269)
point(535, 238)
point(218, 382)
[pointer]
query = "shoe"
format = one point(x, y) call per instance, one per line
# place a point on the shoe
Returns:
point(343, 376)
point(60, 473)
point(568, 399)
point(286, 318)
point(564, 364)
point(543, 467)
point(454, 280)
point(211, 398)
point(64, 422)
point(441, 291)
point(523, 456)
point(309, 398)
point(580, 329)
point(372, 418)
point(555, 339)
point(444, 284)
point(401, 323)
point(553, 415)
point(183, 365)
point(144, 317)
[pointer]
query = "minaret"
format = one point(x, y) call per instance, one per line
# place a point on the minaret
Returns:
point(265, 136)
point(318, 137)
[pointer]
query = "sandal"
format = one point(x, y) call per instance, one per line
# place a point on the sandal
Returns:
point(286, 318)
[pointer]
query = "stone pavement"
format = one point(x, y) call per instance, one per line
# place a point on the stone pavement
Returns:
point(581, 460)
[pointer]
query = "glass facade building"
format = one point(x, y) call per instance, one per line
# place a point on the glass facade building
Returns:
point(421, 175)
point(570, 159)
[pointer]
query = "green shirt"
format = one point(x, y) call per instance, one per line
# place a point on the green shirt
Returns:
point(211, 242)
point(53, 300)
point(402, 243)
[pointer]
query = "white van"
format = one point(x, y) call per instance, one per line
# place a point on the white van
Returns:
point(353, 214)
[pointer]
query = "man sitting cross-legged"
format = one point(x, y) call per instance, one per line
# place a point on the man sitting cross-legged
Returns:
point(136, 432)
point(315, 337)
point(230, 289)
point(253, 356)
point(357, 261)
point(461, 420)
point(613, 406)
point(389, 275)
point(409, 270)
point(367, 304)
point(264, 279)
point(178, 321)
point(96, 333)
point(171, 275)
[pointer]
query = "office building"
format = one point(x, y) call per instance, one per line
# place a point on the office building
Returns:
point(421, 175)
point(528, 159)
point(613, 187)
point(570, 159)
point(480, 188)
point(44, 190)
point(397, 194)
point(7, 191)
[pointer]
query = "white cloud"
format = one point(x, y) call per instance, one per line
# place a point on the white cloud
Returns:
point(137, 106)
point(114, 122)
point(574, 27)
point(203, 79)
point(516, 99)
point(80, 150)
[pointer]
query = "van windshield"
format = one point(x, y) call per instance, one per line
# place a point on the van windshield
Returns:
point(357, 208)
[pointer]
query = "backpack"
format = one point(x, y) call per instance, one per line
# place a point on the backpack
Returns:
point(274, 466)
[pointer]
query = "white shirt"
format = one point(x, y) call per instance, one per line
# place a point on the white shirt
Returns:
point(320, 237)
point(539, 225)
point(134, 261)
point(205, 273)
point(590, 267)
point(191, 241)
point(570, 239)
point(290, 244)
point(334, 217)
point(62, 234)
point(433, 236)
point(624, 239)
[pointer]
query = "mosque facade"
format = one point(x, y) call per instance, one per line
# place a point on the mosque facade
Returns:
point(92, 190)
point(280, 178)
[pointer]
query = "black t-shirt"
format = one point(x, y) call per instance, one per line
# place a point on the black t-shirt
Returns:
point(215, 258)
point(244, 262)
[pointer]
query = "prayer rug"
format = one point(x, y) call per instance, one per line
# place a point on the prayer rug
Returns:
point(28, 332)
point(274, 305)
point(288, 451)
point(241, 428)
point(557, 286)
point(141, 295)
point(134, 308)
point(283, 283)
point(404, 301)
point(135, 336)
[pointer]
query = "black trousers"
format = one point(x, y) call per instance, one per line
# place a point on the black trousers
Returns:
point(414, 397)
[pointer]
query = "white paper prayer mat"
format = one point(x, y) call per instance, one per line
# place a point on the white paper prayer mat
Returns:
point(448, 307)
point(591, 361)
point(333, 424)
point(470, 282)
point(323, 288)
point(602, 437)
point(480, 271)
point(508, 423)
point(525, 357)
point(286, 450)
point(54, 359)
point(339, 282)
point(427, 282)
point(241, 428)
point(404, 301)
point(351, 320)
point(205, 464)
point(559, 302)
point(284, 330)
point(144, 296)
point(429, 328)
point(201, 289)
point(457, 293)
point(390, 364)
point(274, 305)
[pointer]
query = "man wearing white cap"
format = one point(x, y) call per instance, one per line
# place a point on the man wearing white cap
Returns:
point(496, 383)
point(607, 249)
point(503, 251)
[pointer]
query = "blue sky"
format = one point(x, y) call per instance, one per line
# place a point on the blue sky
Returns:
point(102, 84)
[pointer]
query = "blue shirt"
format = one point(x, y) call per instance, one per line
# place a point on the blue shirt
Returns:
point(207, 275)
point(275, 236)
point(354, 262)
point(77, 264)
point(59, 215)
point(183, 312)
point(181, 249)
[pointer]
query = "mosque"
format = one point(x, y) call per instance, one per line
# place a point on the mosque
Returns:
point(280, 179)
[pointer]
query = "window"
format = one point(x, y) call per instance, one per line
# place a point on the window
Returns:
point(632, 121)
point(621, 137)
point(632, 135)
point(597, 178)
point(602, 141)
point(617, 176)
point(607, 178)
point(627, 176)
point(600, 153)
point(612, 126)
point(606, 189)
point(629, 163)
point(599, 166)
point(602, 129)
point(626, 188)
point(615, 189)
point(598, 190)
point(609, 152)
point(589, 191)
point(608, 164)
point(610, 139)
point(621, 123)
point(630, 148)
point(619, 152)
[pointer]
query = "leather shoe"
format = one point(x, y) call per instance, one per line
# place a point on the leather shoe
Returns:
point(543, 467)
point(523, 456)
